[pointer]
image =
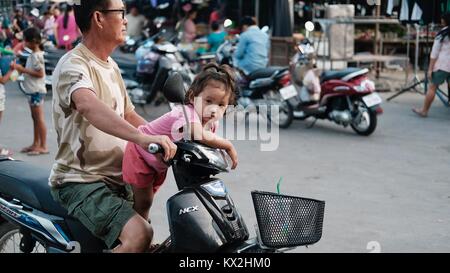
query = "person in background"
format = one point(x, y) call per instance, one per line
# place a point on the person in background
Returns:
point(252, 51)
point(439, 69)
point(20, 23)
point(56, 12)
point(136, 23)
point(189, 27)
point(4, 79)
point(66, 30)
point(49, 25)
point(34, 83)
point(216, 16)
point(216, 37)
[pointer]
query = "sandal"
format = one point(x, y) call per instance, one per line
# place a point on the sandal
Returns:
point(5, 152)
point(27, 149)
point(419, 113)
point(36, 152)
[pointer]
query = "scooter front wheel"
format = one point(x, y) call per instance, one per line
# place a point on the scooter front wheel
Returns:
point(285, 114)
point(364, 121)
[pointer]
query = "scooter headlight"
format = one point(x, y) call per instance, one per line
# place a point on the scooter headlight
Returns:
point(216, 188)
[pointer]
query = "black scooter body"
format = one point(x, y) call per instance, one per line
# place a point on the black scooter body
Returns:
point(200, 222)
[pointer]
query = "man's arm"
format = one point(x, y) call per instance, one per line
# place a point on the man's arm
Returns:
point(102, 117)
point(134, 119)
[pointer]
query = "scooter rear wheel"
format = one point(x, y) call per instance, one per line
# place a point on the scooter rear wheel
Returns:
point(10, 238)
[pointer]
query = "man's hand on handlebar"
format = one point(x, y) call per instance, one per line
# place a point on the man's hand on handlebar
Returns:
point(168, 146)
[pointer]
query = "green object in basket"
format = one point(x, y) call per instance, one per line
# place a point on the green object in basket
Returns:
point(278, 185)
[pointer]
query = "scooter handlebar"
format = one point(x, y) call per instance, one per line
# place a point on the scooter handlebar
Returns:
point(154, 148)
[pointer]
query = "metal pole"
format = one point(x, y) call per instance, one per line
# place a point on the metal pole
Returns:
point(376, 48)
point(416, 62)
point(408, 44)
point(257, 9)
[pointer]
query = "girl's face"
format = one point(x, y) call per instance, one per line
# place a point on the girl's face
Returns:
point(212, 102)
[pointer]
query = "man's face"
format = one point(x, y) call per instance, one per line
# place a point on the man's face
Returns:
point(114, 24)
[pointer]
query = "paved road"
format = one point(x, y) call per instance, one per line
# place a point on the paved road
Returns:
point(392, 187)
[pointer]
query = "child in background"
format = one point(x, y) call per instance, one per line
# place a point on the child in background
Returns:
point(213, 90)
point(216, 37)
point(3, 79)
point(34, 83)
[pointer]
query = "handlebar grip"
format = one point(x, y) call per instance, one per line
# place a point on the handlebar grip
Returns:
point(154, 148)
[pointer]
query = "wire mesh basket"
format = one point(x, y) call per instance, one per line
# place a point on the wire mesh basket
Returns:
point(288, 221)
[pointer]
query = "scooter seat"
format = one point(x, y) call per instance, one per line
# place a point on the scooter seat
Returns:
point(340, 74)
point(28, 184)
point(265, 72)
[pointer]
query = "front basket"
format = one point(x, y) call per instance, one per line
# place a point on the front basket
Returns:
point(288, 221)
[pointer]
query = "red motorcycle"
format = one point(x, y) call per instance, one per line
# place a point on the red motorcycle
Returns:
point(347, 97)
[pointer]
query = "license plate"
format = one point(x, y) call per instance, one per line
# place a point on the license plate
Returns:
point(372, 99)
point(288, 92)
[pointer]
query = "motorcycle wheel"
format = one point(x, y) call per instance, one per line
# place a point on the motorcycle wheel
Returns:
point(286, 111)
point(364, 120)
point(10, 238)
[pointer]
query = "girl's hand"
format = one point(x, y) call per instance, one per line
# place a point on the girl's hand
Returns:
point(233, 155)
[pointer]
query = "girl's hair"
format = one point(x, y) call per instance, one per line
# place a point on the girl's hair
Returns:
point(69, 8)
point(215, 26)
point(213, 72)
point(33, 35)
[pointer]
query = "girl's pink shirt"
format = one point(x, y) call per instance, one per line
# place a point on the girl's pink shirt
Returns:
point(168, 125)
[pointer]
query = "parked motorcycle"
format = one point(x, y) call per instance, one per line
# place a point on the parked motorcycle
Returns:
point(202, 215)
point(269, 86)
point(157, 59)
point(133, 43)
point(347, 96)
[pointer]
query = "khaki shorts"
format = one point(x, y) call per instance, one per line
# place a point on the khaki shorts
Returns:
point(102, 209)
point(2, 100)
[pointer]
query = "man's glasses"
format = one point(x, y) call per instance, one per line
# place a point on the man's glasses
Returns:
point(115, 10)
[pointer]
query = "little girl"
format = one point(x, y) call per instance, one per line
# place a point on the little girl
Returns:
point(34, 74)
point(207, 99)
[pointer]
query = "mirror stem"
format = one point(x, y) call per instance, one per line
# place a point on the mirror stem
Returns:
point(188, 125)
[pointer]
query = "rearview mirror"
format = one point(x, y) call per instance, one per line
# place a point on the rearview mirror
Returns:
point(173, 89)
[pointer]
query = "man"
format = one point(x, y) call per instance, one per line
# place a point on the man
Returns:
point(93, 119)
point(252, 52)
point(136, 23)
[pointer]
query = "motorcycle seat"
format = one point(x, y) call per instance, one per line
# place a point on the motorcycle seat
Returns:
point(28, 184)
point(265, 72)
point(343, 73)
